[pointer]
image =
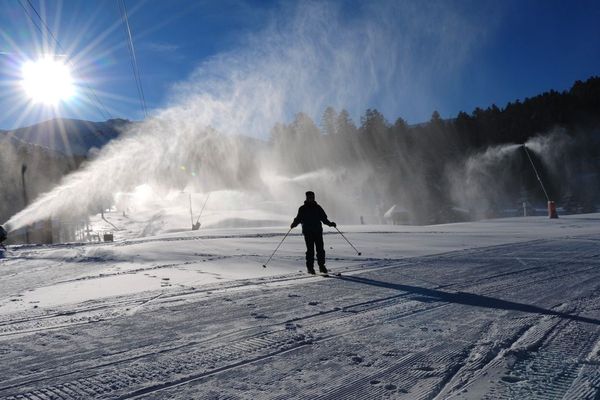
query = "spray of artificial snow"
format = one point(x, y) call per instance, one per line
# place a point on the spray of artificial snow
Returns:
point(309, 57)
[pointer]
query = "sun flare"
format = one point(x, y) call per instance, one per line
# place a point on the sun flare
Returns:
point(47, 81)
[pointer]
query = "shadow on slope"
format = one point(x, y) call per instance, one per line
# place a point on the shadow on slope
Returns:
point(469, 299)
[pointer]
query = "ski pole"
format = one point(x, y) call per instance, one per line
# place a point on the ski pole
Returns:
point(359, 253)
point(265, 264)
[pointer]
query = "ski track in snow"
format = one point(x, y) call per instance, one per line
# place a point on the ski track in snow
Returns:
point(513, 321)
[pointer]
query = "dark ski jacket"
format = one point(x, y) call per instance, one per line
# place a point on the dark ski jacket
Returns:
point(310, 215)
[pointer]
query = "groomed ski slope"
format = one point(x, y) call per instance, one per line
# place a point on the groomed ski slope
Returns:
point(499, 309)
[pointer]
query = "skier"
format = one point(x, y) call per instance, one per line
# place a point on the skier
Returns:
point(310, 215)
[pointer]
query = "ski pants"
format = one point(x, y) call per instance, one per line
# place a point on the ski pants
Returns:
point(312, 240)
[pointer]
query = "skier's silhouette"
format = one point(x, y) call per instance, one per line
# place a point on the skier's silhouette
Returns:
point(310, 215)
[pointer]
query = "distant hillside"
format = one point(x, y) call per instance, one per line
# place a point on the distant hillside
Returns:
point(40, 167)
point(46, 152)
point(70, 137)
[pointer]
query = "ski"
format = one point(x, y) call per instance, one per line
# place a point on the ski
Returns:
point(325, 275)
point(330, 274)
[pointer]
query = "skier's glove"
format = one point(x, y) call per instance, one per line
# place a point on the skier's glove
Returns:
point(333, 224)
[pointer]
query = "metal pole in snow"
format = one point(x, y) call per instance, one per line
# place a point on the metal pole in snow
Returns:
point(191, 214)
point(202, 210)
point(25, 200)
point(536, 173)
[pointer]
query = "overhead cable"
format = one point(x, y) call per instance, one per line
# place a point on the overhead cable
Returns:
point(94, 99)
point(131, 48)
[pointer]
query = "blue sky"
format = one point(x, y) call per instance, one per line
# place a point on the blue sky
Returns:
point(498, 52)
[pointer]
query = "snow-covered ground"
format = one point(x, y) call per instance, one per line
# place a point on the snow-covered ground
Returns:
point(493, 309)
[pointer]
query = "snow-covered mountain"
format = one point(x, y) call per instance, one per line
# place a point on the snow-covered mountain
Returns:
point(71, 137)
point(48, 150)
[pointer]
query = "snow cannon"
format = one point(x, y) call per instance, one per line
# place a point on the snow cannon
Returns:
point(552, 209)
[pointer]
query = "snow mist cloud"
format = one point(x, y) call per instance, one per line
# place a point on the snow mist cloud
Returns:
point(486, 179)
point(310, 56)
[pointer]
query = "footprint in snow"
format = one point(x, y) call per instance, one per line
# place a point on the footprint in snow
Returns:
point(511, 379)
point(313, 303)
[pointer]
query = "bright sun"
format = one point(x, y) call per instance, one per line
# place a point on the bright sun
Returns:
point(47, 81)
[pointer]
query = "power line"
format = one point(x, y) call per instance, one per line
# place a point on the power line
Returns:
point(31, 17)
point(93, 97)
point(133, 59)
point(47, 28)
point(131, 48)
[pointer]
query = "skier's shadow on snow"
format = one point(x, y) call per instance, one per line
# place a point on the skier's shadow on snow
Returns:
point(476, 300)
